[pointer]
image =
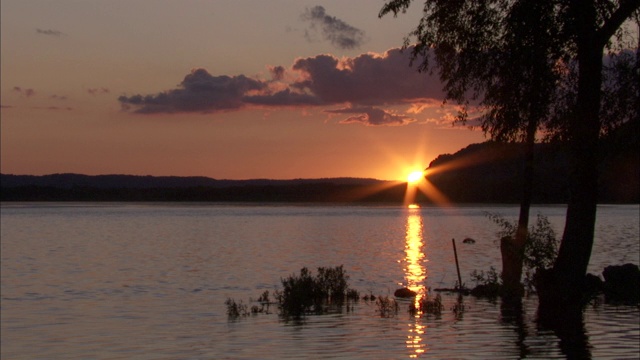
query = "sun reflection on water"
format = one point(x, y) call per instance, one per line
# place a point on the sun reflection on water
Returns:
point(415, 341)
point(415, 274)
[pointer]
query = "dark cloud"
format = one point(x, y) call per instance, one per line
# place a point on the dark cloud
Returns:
point(367, 79)
point(198, 92)
point(24, 92)
point(50, 32)
point(284, 97)
point(332, 29)
point(372, 116)
point(364, 84)
point(277, 72)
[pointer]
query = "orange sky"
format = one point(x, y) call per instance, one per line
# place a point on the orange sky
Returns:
point(154, 87)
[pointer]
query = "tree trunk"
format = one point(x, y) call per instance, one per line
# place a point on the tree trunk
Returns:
point(512, 249)
point(563, 285)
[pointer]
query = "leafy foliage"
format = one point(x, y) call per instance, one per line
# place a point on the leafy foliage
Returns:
point(540, 250)
point(306, 293)
point(302, 294)
point(488, 284)
point(489, 278)
point(512, 57)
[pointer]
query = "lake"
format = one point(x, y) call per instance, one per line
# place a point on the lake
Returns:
point(149, 281)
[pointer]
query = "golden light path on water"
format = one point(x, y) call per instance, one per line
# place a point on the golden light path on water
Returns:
point(415, 274)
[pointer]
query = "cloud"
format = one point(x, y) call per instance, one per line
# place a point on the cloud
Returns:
point(285, 97)
point(97, 91)
point(50, 32)
point(362, 85)
point(277, 72)
point(24, 92)
point(54, 108)
point(332, 29)
point(372, 116)
point(369, 79)
point(198, 92)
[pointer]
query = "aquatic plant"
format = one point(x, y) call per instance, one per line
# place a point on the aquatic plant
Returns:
point(489, 278)
point(458, 308)
point(387, 307)
point(305, 293)
point(369, 297)
point(264, 298)
point(541, 248)
point(487, 284)
point(431, 306)
point(236, 309)
point(353, 294)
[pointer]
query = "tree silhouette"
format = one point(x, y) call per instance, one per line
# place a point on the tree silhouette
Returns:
point(511, 59)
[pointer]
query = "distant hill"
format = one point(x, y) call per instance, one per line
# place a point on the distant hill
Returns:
point(489, 172)
point(66, 181)
point(75, 187)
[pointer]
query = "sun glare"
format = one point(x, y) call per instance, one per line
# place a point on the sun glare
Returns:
point(415, 176)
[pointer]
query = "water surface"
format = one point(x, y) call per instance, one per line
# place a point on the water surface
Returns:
point(149, 281)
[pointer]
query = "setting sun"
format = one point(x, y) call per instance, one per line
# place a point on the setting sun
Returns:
point(415, 176)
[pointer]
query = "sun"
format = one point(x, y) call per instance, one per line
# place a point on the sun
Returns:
point(415, 177)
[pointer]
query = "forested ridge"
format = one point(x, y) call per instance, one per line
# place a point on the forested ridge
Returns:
point(488, 172)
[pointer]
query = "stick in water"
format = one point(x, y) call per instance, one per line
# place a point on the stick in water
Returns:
point(455, 253)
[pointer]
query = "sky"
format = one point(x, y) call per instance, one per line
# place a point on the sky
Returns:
point(234, 89)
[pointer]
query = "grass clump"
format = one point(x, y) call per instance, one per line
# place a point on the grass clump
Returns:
point(387, 307)
point(307, 293)
point(236, 309)
point(239, 309)
point(487, 284)
point(428, 306)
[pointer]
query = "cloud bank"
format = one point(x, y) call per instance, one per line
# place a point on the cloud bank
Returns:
point(371, 116)
point(360, 85)
point(198, 92)
point(49, 32)
point(337, 32)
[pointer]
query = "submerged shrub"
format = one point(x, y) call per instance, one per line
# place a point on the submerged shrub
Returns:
point(387, 307)
point(489, 278)
point(235, 310)
point(431, 306)
point(487, 284)
point(299, 294)
point(541, 248)
point(353, 295)
point(306, 293)
point(458, 308)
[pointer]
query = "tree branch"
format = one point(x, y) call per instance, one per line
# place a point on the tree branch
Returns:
point(616, 20)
